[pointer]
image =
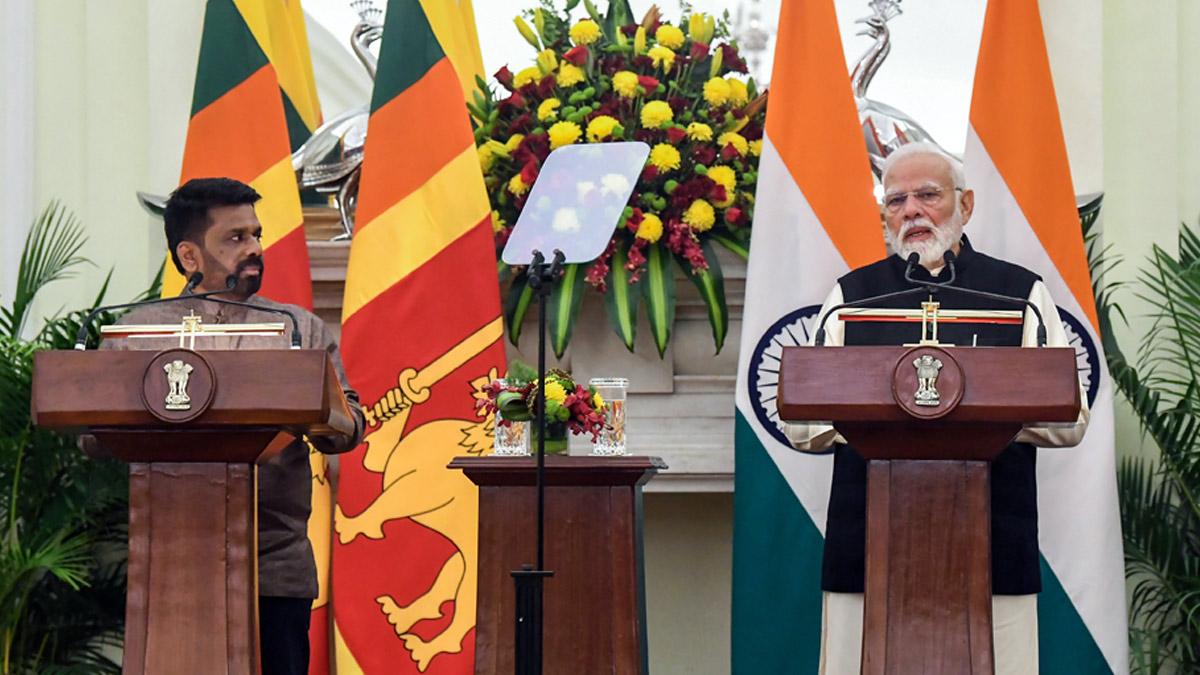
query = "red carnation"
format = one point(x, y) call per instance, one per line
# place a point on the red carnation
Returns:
point(731, 60)
point(704, 154)
point(577, 55)
point(650, 172)
point(729, 153)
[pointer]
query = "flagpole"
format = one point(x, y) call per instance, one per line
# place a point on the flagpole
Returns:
point(528, 580)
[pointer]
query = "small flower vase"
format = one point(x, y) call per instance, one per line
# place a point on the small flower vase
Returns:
point(556, 437)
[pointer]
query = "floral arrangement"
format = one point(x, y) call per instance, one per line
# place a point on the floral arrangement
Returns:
point(608, 78)
point(577, 408)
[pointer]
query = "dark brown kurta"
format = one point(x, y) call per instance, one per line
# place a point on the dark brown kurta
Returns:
point(285, 556)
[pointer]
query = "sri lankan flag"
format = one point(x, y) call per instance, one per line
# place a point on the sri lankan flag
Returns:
point(421, 336)
point(238, 129)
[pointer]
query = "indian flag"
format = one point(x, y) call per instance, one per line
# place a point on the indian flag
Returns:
point(421, 333)
point(1025, 212)
point(238, 129)
point(815, 220)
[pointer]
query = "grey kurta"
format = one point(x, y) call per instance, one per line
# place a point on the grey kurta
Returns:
point(285, 557)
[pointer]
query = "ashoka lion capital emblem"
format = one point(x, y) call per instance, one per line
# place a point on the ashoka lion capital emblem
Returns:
point(178, 372)
point(927, 374)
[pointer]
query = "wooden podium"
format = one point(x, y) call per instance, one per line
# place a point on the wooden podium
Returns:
point(595, 604)
point(192, 425)
point(928, 428)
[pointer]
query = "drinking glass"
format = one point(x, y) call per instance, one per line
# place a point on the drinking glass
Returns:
point(512, 439)
point(612, 391)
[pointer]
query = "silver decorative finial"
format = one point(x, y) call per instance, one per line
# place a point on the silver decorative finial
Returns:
point(752, 35)
point(368, 13)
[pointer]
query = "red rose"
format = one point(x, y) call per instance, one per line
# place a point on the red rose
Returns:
point(529, 172)
point(514, 102)
point(729, 153)
point(698, 51)
point(675, 135)
point(650, 172)
point(650, 83)
point(704, 154)
point(505, 77)
point(733, 215)
point(577, 55)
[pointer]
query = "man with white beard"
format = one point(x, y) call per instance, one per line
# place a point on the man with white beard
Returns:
point(926, 206)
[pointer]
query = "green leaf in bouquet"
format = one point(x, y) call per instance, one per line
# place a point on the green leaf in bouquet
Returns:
point(658, 287)
point(516, 305)
point(563, 307)
point(622, 297)
point(513, 407)
point(619, 14)
point(711, 284)
point(742, 248)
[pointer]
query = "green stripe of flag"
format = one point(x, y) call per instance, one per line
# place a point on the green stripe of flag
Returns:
point(228, 54)
point(298, 131)
point(410, 48)
point(1065, 646)
point(776, 568)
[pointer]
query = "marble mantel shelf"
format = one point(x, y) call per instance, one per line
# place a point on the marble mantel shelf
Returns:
point(681, 407)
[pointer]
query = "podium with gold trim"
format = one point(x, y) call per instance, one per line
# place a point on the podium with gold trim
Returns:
point(192, 424)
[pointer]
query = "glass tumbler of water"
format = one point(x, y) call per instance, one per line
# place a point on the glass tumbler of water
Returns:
point(511, 439)
point(612, 392)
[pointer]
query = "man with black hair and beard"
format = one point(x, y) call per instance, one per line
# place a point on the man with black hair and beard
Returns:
point(212, 228)
point(926, 205)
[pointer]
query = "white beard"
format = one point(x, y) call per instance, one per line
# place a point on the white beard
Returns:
point(931, 250)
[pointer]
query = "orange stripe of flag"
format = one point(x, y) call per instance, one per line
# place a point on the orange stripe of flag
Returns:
point(408, 144)
point(235, 135)
point(830, 167)
point(1014, 113)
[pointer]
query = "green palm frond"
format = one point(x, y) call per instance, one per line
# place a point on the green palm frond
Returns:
point(51, 253)
point(1160, 497)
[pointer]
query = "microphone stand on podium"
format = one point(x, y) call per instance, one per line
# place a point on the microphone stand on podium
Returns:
point(528, 579)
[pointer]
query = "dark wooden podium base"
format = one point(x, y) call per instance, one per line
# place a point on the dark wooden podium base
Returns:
point(928, 579)
point(594, 605)
point(180, 587)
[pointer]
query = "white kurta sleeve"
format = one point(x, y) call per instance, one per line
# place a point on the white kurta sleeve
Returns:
point(819, 437)
point(1056, 336)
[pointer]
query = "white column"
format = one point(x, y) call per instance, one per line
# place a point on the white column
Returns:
point(16, 135)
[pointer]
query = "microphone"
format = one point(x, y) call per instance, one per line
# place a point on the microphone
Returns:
point(194, 280)
point(934, 287)
point(949, 257)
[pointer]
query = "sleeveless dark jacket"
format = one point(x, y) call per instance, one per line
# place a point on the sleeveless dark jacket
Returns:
point(1015, 561)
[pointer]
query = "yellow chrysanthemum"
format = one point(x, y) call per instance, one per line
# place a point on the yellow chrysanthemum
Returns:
point(625, 83)
point(738, 93)
point(665, 157)
point(548, 109)
point(517, 186)
point(513, 142)
point(601, 127)
point(669, 36)
point(699, 131)
point(564, 133)
point(570, 75)
point(487, 158)
point(555, 391)
point(735, 139)
point(725, 177)
point(526, 76)
point(716, 91)
point(547, 61)
point(662, 57)
point(497, 222)
point(756, 147)
point(651, 228)
point(585, 32)
point(655, 114)
point(700, 215)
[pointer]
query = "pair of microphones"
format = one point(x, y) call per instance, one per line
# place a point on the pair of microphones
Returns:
point(932, 287)
point(188, 293)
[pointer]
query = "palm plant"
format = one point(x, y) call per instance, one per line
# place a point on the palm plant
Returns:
point(1160, 496)
point(62, 515)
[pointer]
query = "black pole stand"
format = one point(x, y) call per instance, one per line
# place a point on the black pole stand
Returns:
point(528, 579)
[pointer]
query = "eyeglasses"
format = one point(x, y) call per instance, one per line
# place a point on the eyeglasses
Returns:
point(929, 196)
